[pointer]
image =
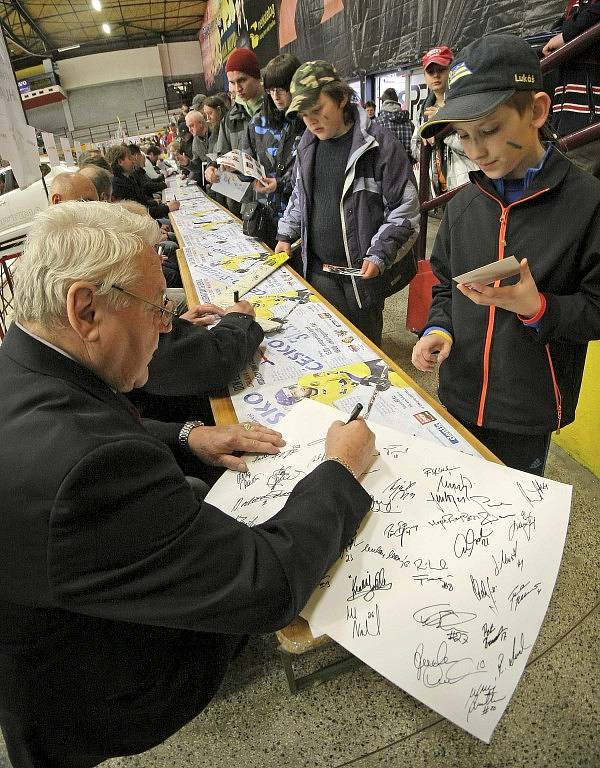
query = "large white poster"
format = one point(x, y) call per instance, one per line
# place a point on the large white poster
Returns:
point(18, 142)
point(445, 586)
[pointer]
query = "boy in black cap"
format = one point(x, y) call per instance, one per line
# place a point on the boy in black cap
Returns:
point(513, 352)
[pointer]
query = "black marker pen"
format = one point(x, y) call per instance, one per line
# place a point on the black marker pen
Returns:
point(355, 411)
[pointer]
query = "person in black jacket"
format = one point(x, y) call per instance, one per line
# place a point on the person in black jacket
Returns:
point(126, 186)
point(149, 186)
point(512, 356)
point(122, 597)
point(576, 99)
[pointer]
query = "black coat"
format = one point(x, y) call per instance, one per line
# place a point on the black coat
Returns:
point(516, 378)
point(129, 188)
point(122, 599)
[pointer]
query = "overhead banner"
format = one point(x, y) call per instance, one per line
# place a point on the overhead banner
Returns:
point(360, 36)
point(230, 24)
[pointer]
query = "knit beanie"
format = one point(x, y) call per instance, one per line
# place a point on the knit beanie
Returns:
point(243, 60)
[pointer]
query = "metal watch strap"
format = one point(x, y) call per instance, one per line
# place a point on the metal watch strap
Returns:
point(184, 432)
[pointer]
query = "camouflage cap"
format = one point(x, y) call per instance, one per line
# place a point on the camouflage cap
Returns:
point(307, 83)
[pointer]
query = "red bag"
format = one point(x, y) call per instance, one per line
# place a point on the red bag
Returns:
point(419, 297)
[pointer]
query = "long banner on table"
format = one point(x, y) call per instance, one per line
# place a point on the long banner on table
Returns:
point(310, 353)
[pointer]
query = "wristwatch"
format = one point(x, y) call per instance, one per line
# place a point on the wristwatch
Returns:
point(184, 432)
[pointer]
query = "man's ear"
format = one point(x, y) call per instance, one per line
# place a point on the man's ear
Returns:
point(83, 310)
point(541, 108)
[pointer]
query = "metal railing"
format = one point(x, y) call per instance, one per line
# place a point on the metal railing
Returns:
point(566, 143)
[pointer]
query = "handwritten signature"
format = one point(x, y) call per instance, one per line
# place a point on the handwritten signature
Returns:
point(482, 700)
point(482, 589)
point(399, 530)
point(442, 616)
point(534, 492)
point(520, 592)
point(465, 543)
point(367, 627)
point(281, 476)
point(441, 670)
point(368, 585)
point(398, 491)
point(492, 634)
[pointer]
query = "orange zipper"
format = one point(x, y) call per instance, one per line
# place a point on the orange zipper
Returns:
point(557, 395)
point(492, 310)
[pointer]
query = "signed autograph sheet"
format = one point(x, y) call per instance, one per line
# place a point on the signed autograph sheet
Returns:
point(444, 588)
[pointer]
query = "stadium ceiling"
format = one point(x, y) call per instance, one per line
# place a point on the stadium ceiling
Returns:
point(39, 29)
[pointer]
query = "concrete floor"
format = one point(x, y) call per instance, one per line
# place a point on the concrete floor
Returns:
point(362, 720)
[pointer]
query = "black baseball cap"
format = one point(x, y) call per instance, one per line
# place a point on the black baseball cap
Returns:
point(484, 75)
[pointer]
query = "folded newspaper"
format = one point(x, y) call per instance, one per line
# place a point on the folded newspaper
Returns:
point(243, 163)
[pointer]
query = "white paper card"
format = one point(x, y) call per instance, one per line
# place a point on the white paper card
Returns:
point(50, 147)
point(490, 272)
point(444, 588)
point(66, 148)
point(230, 186)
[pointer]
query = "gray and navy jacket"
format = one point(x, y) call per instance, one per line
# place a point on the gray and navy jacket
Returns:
point(576, 99)
point(379, 207)
point(396, 120)
point(233, 130)
point(503, 372)
point(263, 144)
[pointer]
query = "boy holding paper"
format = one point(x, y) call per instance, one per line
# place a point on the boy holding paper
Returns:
point(513, 353)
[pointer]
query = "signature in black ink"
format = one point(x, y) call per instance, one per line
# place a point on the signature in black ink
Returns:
point(434, 471)
point(482, 589)
point(368, 627)
point(520, 592)
point(399, 530)
point(482, 700)
point(245, 479)
point(465, 543)
point(505, 559)
point(282, 475)
point(422, 578)
point(491, 634)
point(285, 454)
point(534, 491)
point(399, 490)
point(442, 616)
point(367, 586)
point(403, 560)
point(395, 450)
point(249, 521)
point(374, 550)
point(441, 670)
point(526, 524)
point(518, 648)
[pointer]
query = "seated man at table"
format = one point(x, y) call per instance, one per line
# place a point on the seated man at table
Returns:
point(122, 598)
point(71, 186)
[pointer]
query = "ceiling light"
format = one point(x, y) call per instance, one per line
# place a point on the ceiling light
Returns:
point(106, 28)
point(68, 48)
point(96, 5)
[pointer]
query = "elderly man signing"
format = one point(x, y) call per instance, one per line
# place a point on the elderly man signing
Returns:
point(123, 598)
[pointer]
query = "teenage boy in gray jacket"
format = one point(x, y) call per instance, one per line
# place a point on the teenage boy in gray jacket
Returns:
point(354, 203)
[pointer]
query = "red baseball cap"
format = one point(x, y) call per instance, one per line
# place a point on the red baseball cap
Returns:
point(441, 55)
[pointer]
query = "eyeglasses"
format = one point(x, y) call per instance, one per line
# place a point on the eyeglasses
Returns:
point(277, 91)
point(166, 312)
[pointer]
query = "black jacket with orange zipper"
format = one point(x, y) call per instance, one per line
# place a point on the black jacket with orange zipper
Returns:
point(501, 374)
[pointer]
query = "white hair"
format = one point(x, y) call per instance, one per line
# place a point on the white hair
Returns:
point(96, 242)
point(195, 116)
